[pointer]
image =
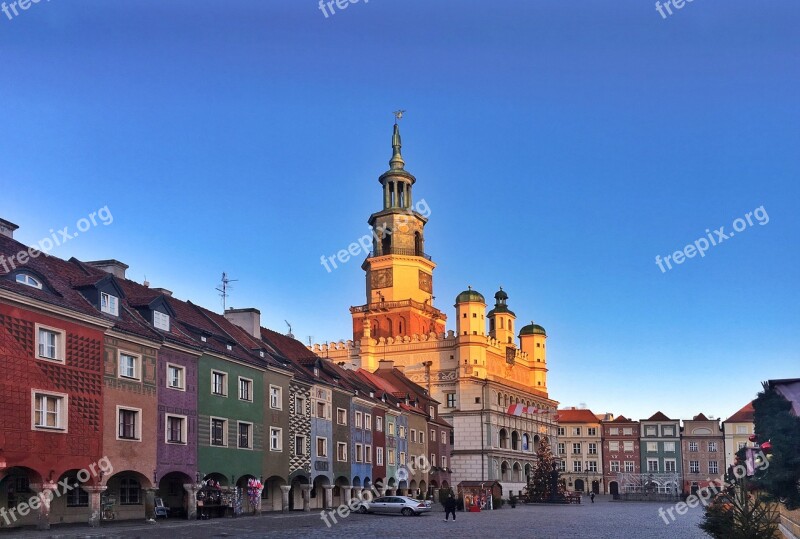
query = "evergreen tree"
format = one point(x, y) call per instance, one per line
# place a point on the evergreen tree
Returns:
point(545, 484)
point(775, 423)
point(740, 512)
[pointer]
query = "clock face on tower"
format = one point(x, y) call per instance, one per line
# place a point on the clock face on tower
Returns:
point(425, 282)
point(381, 278)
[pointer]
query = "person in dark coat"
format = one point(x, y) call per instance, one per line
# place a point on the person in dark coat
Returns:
point(592, 496)
point(450, 507)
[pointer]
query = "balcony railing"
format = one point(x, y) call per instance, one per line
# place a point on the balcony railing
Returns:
point(386, 305)
point(399, 251)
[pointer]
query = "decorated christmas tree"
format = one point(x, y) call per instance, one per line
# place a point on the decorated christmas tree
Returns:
point(778, 434)
point(544, 484)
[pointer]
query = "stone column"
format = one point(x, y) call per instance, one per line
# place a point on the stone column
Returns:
point(328, 500)
point(285, 497)
point(382, 491)
point(150, 503)
point(347, 494)
point(306, 489)
point(45, 493)
point(95, 509)
point(191, 510)
point(386, 195)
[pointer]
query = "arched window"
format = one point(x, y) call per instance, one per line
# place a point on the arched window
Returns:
point(501, 323)
point(503, 439)
point(28, 280)
point(386, 243)
point(510, 325)
point(499, 399)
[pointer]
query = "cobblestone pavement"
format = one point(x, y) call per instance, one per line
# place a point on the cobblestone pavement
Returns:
point(603, 519)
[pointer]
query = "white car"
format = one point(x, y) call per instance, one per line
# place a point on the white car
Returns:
point(400, 505)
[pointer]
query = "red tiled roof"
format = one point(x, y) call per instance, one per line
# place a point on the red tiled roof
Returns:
point(576, 416)
point(745, 415)
point(658, 416)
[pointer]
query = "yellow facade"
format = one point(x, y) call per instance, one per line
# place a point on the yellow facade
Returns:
point(475, 371)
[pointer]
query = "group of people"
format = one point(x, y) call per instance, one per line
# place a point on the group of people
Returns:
point(450, 506)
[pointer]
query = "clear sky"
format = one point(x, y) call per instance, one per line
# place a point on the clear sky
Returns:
point(560, 146)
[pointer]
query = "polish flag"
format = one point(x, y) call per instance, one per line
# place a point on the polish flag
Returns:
point(544, 411)
point(515, 409)
point(533, 410)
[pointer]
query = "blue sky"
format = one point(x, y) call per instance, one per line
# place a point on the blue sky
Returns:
point(560, 146)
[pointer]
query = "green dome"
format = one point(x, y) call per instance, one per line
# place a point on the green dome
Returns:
point(500, 294)
point(470, 295)
point(532, 329)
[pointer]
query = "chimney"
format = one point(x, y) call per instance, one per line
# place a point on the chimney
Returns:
point(247, 319)
point(163, 291)
point(7, 228)
point(385, 364)
point(114, 267)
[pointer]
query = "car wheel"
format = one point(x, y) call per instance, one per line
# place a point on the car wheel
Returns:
point(407, 511)
point(362, 510)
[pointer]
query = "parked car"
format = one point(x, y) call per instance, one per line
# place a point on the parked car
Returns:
point(400, 505)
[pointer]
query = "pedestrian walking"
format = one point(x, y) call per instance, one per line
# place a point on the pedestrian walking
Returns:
point(591, 497)
point(450, 507)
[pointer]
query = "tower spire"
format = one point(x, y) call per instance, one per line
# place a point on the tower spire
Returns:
point(397, 163)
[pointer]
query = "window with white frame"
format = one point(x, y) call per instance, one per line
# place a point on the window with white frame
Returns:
point(368, 421)
point(562, 431)
point(275, 439)
point(712, 447)
point(402, 431)
point(359, 420)
point(161, 320)
point(368, 453)
point(669, 447)
point(652, 465)
point(414, 435)
point(50, 343)
point(451, 400)
point(652, 447)
point(379, 423)
point(694, 466)
point(299, 405)
point(713, 467)
point(390, 429)
point(245, 389)
point(670, 465)
point(219, 383)
point(741, 429)
point(650, 431)
point(341, 451)
point(692, 446)
point(176, 377)
point(49, 411)
point(219, 432)
point(627, 446)
point(613, 446)
point(390, 457)
point(443, 438)
point(422, 437)
point(613, 431)
point(668, 431)
point(275, 397)
point(128, 423)
point(175, 429)
point(300, 445)
point(433, 459)
point(592, 448)
point(28, 280)
point(577, 466)
point(576, 448)
point(245, 435)
point(591, 466)
point(444, 461)
point(630, 466)
point(322, 447)
point(562, 449)
point(576, 431)
point(433, 435)
point(359, 453)
point(109, 304)
point(402, 458)
point(341, 416)
point(627, 431)
point(562, 465)
point(614, 465)
point(128, 365)
point(591, 431)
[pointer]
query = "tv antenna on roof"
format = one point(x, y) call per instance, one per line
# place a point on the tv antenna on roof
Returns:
point(224, 290)
point(290, 335)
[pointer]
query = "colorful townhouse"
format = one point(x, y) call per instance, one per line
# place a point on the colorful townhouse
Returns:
point(702, 447)
point(621, 453)
point(51, 391)
point(660, 453)
point(738, 429)
point(581, 450)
